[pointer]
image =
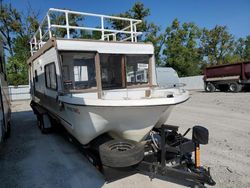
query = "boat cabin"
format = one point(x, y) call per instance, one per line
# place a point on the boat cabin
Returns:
point(77, 65)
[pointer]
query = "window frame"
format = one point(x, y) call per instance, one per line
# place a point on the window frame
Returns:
point(142, 84)
point(36, 76)
point(83, 90)
point(45, 74)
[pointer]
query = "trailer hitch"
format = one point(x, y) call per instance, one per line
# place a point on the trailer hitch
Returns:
point(198, 176)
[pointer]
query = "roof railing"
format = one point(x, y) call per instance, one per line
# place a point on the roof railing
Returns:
point(47, 29)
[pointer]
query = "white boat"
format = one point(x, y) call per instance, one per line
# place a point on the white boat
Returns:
point(98, 86)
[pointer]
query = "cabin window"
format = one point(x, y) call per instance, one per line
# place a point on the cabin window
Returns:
point(137, 69)
point(111, 70)
point(50, 76)
point(78, 70)
point(36, 76)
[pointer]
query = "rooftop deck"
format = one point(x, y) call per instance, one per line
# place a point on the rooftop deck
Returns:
point(58, 23)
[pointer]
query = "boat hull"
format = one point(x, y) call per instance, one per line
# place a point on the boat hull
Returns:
point(134, 123)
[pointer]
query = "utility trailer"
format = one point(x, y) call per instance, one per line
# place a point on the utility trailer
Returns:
point(105, 95)
point(229, 77)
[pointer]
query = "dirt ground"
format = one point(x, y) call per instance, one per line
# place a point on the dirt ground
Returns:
point(30, 159)
point(227, 116)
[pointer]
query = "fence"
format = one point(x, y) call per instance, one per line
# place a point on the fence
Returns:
point(193, 82)
point(21, 92)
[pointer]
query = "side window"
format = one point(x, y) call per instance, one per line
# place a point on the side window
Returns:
point(78, 70)
point(36, 76)
point(50, 76)
point(137, 69)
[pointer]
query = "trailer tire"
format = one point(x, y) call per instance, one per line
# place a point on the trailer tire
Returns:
point(235, 87)
point(121, 153)
point(210, 87)
point(45, 123)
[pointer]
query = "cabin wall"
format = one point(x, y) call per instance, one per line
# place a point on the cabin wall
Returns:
point(39, 65)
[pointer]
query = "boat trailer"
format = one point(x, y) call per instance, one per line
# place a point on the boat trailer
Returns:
point(167, 153)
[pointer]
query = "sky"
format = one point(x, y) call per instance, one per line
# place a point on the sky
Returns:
point(235, 14)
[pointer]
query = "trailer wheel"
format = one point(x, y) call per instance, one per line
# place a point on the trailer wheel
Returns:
point(210, 87)
point(45, 123)
point(235, 87)
point(121, 153)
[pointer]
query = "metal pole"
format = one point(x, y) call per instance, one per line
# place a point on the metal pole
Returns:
point(102, 25)
point(31, 48)
point(49, 25)
point(67, 23)
point(40, 33)
point(131, 31)
point(135, 32)
point(35, 42)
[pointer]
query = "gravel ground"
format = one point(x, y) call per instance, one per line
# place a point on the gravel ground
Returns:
point(227, 116)
point(30, 159)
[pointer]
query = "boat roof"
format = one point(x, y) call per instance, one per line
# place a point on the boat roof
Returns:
point(104, 47)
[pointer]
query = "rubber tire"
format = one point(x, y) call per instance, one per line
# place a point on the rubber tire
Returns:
point(210, 87)
point(45, 119)
point(235, 87)
point(114, 158)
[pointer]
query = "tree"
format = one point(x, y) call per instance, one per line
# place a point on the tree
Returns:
point(181, 48)
point(59, 18)
point(247, 48)
point(217, 44)
point(151, 32)
point(17, 29)
point(10, 24)
point(139, 12)
point(157, 38)
point(17, 67)
point(240, 48)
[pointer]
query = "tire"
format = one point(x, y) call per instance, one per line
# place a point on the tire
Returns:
point(235, 87)
point(121, 153)
point(45, 123)
point(210, 87)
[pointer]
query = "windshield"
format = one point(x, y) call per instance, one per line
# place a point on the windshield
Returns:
point(78, 70)
point(117, 70)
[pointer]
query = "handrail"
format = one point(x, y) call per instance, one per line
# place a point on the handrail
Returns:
point(45, 29)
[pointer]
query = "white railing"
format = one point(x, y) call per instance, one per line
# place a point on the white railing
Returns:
point(45, 30)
